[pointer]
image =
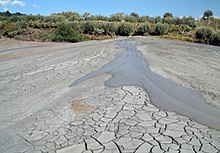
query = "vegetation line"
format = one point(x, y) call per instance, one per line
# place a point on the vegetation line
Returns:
point(73, 27)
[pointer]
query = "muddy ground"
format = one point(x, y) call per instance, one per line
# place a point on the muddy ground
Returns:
point(39, 112)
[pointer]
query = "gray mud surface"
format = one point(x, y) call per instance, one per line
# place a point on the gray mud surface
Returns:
point(129, 68)
point(109, 109)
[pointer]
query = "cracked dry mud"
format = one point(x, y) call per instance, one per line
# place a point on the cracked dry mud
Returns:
point(40, 113)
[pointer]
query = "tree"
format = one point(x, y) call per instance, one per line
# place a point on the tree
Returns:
point(168, 14)
point(157, 19)
point(207, 15)
point(7, 13)
point(169, 20)
point(189, 20)
point(134, 15)
point(118, 17)
point(86, 15)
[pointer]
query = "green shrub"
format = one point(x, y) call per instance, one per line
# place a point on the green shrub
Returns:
point(14, 33)
point(87, 27)
point(98, 31)
point(110, 28)
point(203, 34)
point(125, 29)
point(9, 27)
point(44, 36)
point(160, 29)
point(215, 39)
point(65, 32)
point(143, 29)
point(11, 30)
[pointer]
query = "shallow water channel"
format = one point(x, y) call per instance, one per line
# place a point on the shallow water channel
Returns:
point(130, 68)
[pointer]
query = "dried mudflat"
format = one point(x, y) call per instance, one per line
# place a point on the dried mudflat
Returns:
point(39, 112)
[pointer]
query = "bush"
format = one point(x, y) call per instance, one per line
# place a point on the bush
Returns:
point(203, 34)
point(87, 27)
point(160, 29)
point(65, 32)
point(110, 28)
point(143, 29)
point(11, 30)
point(125, 29)
point(98, 31)
point(174, 29)
point(14, 33)
point(44, 36)
point(215, 39)
point(9, 27)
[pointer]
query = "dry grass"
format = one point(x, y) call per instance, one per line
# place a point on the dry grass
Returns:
point(178, 38)
point(78, 106)
point(94, 37)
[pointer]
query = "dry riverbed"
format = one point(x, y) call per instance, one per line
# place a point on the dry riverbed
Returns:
point(39, 112)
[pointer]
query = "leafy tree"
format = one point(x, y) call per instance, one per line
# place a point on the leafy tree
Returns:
point(86, 15)
point(18, 14)
point(143, 19)
point(98, 18)
point(133, 14)
point(69, 26)
point(7, 13)
point(188, 20)
point(129, 18)
point(207, 14)
point(118, 17)
point(55, 18)
point(71, 15)
point(168, 20)
point(167, 14)
point(158, 19)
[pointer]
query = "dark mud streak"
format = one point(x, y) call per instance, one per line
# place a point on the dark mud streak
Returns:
point(129, 68)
